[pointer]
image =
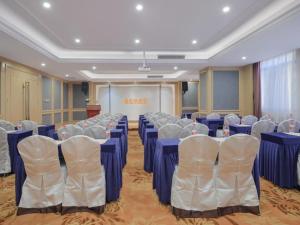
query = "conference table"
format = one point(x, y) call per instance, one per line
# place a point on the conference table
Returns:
point(110, 159)
point(240, 129)
point(278, 158)
point(212, 124)
point(13, 138)
point(164, 162)
point(47, 130)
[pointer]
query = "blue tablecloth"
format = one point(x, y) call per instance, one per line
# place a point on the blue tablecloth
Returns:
point(150, 138)
point(110, 159)
point(212, 124)
point(144, 125)
point(119, 133)
point(240, 129)
point(165, 160)
point(141, 117)
point(46, 130)
point(13, 139)
point(125, 139)
point(278, 158)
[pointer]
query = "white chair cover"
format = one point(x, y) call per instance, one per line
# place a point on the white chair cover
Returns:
point(69, 131)
point(265, 117)
point(96, 132)
point(234, 181)
point(184, 122)
point(30, 125)
point(228, 115)
point(44, 184)
point(249, 120)
point(262, 126)
point(6, 125)
point(213, 116)
point(5, 166)
point(193, 186)
point(198, 127)
point(161, 122)
point(233, 120)
point(284, 126)
point(85, 184)
point(169, 131)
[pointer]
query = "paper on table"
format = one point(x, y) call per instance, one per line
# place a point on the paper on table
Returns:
point(292, 133)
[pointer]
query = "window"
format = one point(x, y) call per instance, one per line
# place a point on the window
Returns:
point(280, 87)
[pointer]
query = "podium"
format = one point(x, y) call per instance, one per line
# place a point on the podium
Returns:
point(93, 110)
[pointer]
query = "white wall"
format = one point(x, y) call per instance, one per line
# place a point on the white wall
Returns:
point(136, 99)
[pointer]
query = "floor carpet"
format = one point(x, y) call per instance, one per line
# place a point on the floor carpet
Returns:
point(139, 205)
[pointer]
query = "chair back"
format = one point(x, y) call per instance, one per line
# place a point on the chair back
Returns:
point(85, 184)
point(198, 128)
point(249, 120)
point(5, 166)
point(96, 132)
point(213, 116)
point(289, 125)
point(44, 183)
point(262, 126)
point(169, 131)
point(29, 125)
point(184, 122)
point(68, 131)
point(234, 181)
point(193, 185)
point(233, 120)
point(6, 125)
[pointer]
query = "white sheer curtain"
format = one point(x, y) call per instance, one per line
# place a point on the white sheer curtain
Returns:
point(280, 87)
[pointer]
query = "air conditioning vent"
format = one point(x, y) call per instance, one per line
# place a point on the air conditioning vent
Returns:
point(155, 76)
point(171, 56)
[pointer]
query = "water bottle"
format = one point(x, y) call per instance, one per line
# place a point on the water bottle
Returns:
point(107, 132)
point(226, 129)
point(63, 135)
point(194, 131)
point(19, 125)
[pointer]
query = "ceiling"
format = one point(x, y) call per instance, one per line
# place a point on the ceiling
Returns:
point(257, 29)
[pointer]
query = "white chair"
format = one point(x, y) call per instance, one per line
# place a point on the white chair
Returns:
point(213, 116)
point(249, 120)
point(198, 128)
point(169, 131)
point(29, 125)
point(96, 132)
point(68, 131)
point(193, 186)
point(234, 181)
point(262, 126)
point(184, 122)
point(284, 126)
point(233, 120)
point(85, 184)
point(266, 117)
point(161, 122)
point(6, 125)
point(44, 184)
point(5, 166)
point(228, 115)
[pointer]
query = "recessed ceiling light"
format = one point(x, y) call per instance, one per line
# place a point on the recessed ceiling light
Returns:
point(244, 58)
point(46, 5)
point(137, 41)
point(175, 67)
point(77, 40)
point(139, 7)
point(94, 67)
point(194, 42)
point(43, 64)
point(67, 75)
point(226, 9)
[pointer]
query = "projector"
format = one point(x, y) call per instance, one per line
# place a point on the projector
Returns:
point(144, 68)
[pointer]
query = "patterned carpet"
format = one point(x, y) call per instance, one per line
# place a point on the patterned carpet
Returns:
point(139, 205)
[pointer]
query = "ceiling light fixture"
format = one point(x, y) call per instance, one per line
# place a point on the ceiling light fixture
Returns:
point(244, 58)
point(139, 7)
point(194, 42)
point(137, 41)
point(226, 9)
point(175, 67)
point(77, 40)
point(46, 5)
point(43, 64)
point(67, 75)
point(94, 67)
